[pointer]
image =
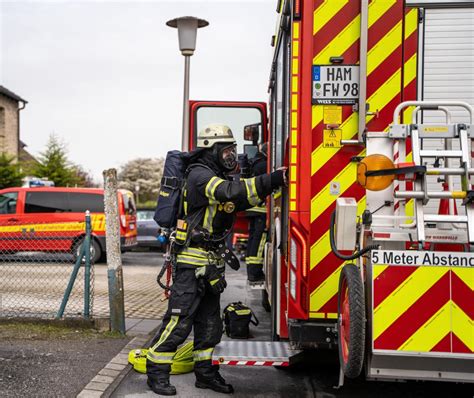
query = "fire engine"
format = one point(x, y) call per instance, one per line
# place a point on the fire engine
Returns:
point(369, 247)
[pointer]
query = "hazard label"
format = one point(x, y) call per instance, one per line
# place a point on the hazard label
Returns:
point(332, 138)
point(332, 114)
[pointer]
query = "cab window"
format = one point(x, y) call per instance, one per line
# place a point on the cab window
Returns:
point(46, 202)
point(8, 202)
point(128, 203)
point(80, 202)
point(237, 118)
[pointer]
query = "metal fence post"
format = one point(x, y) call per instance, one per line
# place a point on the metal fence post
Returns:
point(87, 266)
point(114, 259)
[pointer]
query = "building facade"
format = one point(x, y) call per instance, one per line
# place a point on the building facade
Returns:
point(10, 107)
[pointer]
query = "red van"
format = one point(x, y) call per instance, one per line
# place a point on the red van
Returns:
point(52, 220)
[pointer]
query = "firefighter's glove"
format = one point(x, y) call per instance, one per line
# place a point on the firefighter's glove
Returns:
point(214, 275)
point(278, 177)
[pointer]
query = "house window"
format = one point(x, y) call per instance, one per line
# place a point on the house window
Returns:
point(2, 118)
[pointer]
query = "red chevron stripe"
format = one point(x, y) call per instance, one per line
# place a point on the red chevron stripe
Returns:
point(415, 316)
point(459, 346)
point(444, 344)
point(462, 295)
point(339, 22)
point(391, 278)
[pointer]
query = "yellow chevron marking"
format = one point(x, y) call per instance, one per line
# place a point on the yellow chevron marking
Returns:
point(404, 296)
point(377, 101)
point(346, 38)
point(325, 291)
point(350, 34)
point(322, 247)
point(411, 22)
point(317, 115)
point(462, 326)
point(431, 333)
point(466, 275)
point(325, 12)
point(377, 270)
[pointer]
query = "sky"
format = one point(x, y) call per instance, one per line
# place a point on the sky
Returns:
point(107, 76)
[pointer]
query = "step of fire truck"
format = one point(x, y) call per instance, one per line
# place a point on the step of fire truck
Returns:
point(255, 353)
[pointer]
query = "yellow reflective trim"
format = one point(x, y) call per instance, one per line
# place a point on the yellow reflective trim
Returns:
point(160, 357)
point(292, 173)
point(294, 153)
point(296, 48)
point(294, 103)
point(211, 212)
point(261, 247)
point(332, 315)
point(169, 328)
point(251, 187)
point(294, 66)
point(292, 191)
point(203, 355)
point(294, 119)
point(194, 251)
point(191, 260)
point(294, 84)
point(211, 187)
point(296, 30)
point(418, 283)
point(294, 137)
point(292, 206)
point(242, 312)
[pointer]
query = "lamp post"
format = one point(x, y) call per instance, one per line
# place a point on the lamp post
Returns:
point(187, 31)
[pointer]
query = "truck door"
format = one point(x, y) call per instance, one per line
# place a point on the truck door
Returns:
point(239, 116)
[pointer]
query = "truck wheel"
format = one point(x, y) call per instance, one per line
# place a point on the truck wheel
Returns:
point(351, 321)
point(96, 252)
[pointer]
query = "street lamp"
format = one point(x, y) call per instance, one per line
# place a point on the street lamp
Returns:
point(187, 31)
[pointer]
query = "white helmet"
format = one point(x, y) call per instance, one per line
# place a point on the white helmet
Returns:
point(214, 133)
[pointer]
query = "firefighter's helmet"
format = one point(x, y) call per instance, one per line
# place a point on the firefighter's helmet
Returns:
point(213, 134)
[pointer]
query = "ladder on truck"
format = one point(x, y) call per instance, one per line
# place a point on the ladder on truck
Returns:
point(450, 134)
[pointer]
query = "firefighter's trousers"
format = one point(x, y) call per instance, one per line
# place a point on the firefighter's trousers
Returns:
point(190, 305)
point(255, 247)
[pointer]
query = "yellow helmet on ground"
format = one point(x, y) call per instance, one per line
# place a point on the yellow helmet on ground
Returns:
point(213, 134)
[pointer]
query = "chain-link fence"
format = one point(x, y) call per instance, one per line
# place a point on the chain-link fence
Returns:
point(39, 262)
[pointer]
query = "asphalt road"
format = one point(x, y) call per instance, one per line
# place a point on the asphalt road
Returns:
point(315, 377)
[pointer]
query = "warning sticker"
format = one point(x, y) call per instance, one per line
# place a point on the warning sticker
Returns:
point(422, 258)
point(332, 138)
point(332, 114)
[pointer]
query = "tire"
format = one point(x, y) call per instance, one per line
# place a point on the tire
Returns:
point(265, 302)
point(351, 321)
point(96, 251)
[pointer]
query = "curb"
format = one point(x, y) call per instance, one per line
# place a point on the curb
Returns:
point(110, 376)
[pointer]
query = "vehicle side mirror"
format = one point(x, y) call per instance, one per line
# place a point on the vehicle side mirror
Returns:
point(252, 132)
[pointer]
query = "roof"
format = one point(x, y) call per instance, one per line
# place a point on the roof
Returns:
point(9, 94)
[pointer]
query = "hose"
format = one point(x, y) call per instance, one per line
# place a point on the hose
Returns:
point(353, 256)
point(166, 265)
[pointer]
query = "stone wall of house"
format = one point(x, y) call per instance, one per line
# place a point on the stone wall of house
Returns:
point(9, 126)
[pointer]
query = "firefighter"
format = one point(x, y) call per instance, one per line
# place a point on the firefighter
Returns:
point(211, 202)
point(257, 223)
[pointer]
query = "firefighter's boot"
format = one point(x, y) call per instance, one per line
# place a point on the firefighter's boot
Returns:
point(160, 386)
point(217, 384)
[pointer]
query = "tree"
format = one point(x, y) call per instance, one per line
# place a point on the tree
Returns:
point(85, 179)
point(54, 165)
point(144, 173)
point(10, 174)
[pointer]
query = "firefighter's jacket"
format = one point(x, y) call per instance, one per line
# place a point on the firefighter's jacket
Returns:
point(215, 200)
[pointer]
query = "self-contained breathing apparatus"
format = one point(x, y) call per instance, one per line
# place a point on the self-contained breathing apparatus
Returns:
point(180, 229)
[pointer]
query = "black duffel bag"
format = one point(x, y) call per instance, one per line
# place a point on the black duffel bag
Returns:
point(237, 317)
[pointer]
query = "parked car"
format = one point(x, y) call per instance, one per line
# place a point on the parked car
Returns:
point(52, 220)
point(147, 229)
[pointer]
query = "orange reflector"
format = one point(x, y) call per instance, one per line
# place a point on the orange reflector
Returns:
point(372, 163)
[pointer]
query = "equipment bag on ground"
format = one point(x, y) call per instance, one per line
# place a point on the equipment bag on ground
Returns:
point(237, 317)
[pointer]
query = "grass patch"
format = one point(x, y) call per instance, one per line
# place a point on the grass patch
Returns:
point(20, 330)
